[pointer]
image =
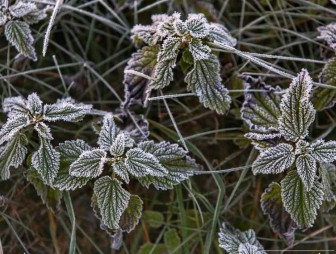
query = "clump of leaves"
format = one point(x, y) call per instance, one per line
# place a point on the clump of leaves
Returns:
point(161, 44)
point(25, 115)
point(234, 241)
point(280, 128)
point(16, 20)
point(162, 165)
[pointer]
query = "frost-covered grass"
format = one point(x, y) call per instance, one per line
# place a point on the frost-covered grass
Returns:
point(90, 46)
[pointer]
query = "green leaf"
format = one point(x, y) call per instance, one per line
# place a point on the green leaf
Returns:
point(132, 214)
point(261, 110)
point(153, 249)
point(169, 49)
point(12, 155)
point(306, 168)
point(324, 151)
point(12, 127)
point(197, 25)
point(118, 146)
point(137, 89)
point(70, 150)
point(302, 205)
point(89, 164)
point(280, 221)
point(140, 163)
point(15, 106)
point(274, 160)
point(112, 200)
point(19, 35)
point(43, 130)
point(108, 133)
point(230, 239)
point(297, 111)
point(163, 74)
point(34, 104)
point(198, 50)
point(36, 16)
point(179, 166)
point(219, 33)
point(21, 9)
point(325, 97)
point(172, 241)
point(49, 196)
point(247, 248)
point(204, 80)
point(120, 169)
point(153, 219)
point(65, 110)
point(46, 160)
point(328, 180)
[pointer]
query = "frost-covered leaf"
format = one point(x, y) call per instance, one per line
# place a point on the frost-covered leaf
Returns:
point(219, 33)
point(328, 180)
point(65, 111)
point(261, 110)
point(12, 154)
point(324, 97)
point(46, 161)
point(247, 248)
point(328, 34)
point(34, 104)
point(120, 169)
point(12, 127)
point(19, 35)
point(197, 25)
point(112, 200)
point(36, 16)
point(302, 205)
point(71, 150)
point(297, 111)
point(261, 141)
point(15, 106)
point(163, 74)
point(169, 49)
point(43, 130)
point(280, 220)
point(108, 132)
point(119, 144)
point(198, 50)
point(179, 166)
point(132, 214)
point(21, 9)
point(204, 80)
point(89, 164)
point(230, 239)
point(306, 168)
point(3, 18)
point(67, 182)
point(164, 24)
point(140, 163)
point(144, 34)
point(324, 151)
point(274, 160)
point(137, 88)
point(49, 196)
point(180, 27)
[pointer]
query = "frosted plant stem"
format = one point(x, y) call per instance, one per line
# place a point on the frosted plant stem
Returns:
point(51, 23)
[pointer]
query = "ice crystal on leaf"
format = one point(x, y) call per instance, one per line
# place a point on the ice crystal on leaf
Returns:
point(16, 20)
point(175, 37)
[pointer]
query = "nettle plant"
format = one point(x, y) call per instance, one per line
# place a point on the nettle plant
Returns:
point(169, 40)
point(16, 20)
point(115, 160)
point(280, 128)
point(25, 116)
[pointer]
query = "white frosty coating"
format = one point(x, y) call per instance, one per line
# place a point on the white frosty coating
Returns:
point(140, 163)
point(300, 204)
point(70, 150)
point(22, 9)
point(169, 49)
point(112, 200)
point(3, 18)
point(274, 160)
point(247, 248)
point(198, 50)
point(219, 33)
point(197, 25)
point(328, 33)
point(297, 111)
point(89, 164)
point(12, 155)
point(43, 130)
point(262, 136)
point(205, 81)
point(108, 133)
point(46, 161)
point(118, 146)
point(120, 169)
point(34, 104)
point(65, 181)
point(19, 35)
point(324, 151)
point(12, 127)
point(163, 74)
point(230, 239)
point(306, 167)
